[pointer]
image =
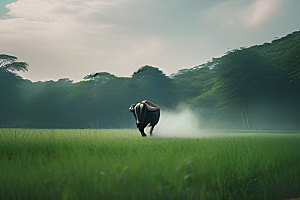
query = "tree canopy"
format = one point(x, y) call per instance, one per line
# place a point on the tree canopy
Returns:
point(10, 64)
point(254, 87)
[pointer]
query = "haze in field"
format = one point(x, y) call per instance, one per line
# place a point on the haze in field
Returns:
point(70, 39)
point(181, 122)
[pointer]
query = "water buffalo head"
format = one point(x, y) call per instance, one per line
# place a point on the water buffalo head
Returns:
point(132, 107)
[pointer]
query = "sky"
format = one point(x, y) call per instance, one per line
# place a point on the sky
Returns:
point(74, 38)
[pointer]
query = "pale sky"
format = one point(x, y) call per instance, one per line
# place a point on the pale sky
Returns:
point(73, 38)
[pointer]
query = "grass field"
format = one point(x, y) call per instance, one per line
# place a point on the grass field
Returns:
point(120, 164)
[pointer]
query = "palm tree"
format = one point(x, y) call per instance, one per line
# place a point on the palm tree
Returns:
point(10, 64)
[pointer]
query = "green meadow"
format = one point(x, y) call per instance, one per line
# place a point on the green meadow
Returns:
point(120, 164)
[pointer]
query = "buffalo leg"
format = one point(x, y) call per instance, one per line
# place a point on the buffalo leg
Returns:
point(141, 128)
point(136, 113)
point(152, 127)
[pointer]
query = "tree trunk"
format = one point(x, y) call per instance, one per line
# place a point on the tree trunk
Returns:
point(242, 116)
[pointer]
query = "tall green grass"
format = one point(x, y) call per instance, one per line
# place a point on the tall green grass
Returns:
point(120, 164)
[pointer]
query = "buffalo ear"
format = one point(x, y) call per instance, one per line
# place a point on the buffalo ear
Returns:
point(132, 107)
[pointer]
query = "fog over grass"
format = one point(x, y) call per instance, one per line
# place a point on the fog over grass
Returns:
point(181, 122)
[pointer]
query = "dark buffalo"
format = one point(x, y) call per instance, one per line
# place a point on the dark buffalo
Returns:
point(145, 113)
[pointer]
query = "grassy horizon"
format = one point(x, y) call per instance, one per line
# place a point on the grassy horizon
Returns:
point(120, 164)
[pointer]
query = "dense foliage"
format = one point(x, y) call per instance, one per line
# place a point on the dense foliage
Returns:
point(255, 87)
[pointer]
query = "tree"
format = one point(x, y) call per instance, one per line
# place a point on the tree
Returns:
point(10, 100)
point(10, 64)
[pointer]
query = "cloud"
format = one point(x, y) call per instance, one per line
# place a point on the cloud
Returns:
point(260, 11)
point(72, 38)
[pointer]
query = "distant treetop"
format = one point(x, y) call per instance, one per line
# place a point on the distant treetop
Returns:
point(10, 64)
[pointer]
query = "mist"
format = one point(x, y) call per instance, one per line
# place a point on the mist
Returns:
point(181, 122)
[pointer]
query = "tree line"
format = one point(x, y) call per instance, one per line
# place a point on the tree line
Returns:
point(249, 88)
